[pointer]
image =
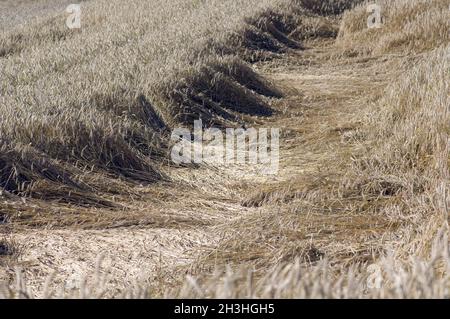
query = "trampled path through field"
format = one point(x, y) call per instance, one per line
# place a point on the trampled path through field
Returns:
point(206, 213)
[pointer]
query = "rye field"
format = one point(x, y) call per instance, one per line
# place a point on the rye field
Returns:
point(224, 149)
